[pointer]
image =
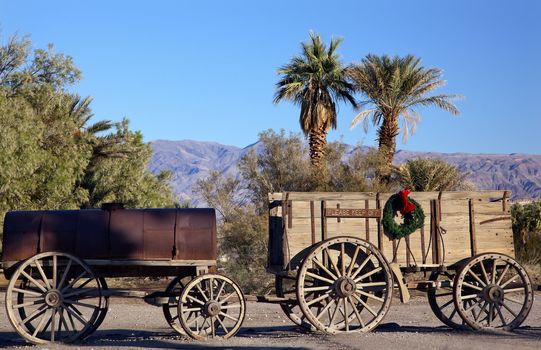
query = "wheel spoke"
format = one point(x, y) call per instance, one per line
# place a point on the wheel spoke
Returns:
point(40, 325)
point(315, 289)
point(512, 290)
point(220, 290)
point(231, 306)
point(228, 316)
point(365, 305)
point(39, 311)
point(490, 310)
point(194, 299)
point(42, 288)
point(321, 278)
point(318, 299)
point(29, 292)
point(371, 284)
point(346, 318)
point(201, 292)
point(318, 263)
point(472, 286)
point(473, 305)
point(332, 262)
point(447, 294)
point(54, 276)
point(53, 310)
point(75, 302)
point(325, 309)
point(227, 298)
point(474, 275)
point(352, 263)
point(223, 325)
point(331, 322)
point(77, 314)
point(211, 282)
point(64, 275)
point(503, 274)
point(484, 271)
point(72, 283)
point(368, 274)
point(357, 314)
point(342, 258)
point(469, 296)
point(509, 309)
point(363, 264)
point(30, 303)
point(42, 273)
point(509, 281)
point(499, 309)
point(514, 301)
point(371, 296)
point(446, 304)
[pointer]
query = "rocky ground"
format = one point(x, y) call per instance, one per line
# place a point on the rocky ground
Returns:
point(132, 324)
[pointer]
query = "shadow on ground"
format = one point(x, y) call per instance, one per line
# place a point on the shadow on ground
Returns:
point(126, 338)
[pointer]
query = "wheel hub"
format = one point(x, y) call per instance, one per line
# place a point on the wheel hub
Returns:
point(212, 308)
point(345, 287)
point(53, 298)
point(494, 293)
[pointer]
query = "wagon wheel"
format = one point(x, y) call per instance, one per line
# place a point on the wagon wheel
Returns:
point(499, 290)
point(170, 310)
point(211, 305)
point(354, 285)
point(58, 300)
point(442, 303)
point(104, 308)
point(286, 288)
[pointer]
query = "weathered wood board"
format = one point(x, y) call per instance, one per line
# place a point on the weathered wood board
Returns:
point(457, 225)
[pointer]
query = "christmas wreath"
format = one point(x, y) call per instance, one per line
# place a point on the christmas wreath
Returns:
point(411, 211)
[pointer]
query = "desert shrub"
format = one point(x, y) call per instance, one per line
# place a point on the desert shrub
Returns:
point(431, 174)
point(527, 231)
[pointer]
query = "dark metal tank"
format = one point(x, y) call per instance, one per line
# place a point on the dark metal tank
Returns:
point(173, 235)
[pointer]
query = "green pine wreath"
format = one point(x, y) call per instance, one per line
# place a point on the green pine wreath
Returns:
point(412, 221)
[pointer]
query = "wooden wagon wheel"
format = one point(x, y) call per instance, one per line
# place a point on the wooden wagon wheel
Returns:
point(286, 287)
point(170, 310)
point(58, 299)
point(354, 285)
point(499, 290)
point(441, 301)
point(211, 305)
point(104, 308)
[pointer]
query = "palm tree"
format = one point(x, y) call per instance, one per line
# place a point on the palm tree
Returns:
point(395, 88)
point(315, 81)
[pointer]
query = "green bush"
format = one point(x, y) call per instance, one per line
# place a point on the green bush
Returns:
point(527, 232)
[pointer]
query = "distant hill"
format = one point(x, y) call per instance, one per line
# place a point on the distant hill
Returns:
point(192, 160)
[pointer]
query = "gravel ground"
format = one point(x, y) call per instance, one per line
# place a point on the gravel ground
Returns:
point(132, 324)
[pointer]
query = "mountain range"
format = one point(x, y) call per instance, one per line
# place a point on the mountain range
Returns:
point(190, 161)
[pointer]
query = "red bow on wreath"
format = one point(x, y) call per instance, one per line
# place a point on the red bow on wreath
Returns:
point(407, 206)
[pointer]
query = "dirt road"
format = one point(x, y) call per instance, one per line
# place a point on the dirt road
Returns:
point(132, 324)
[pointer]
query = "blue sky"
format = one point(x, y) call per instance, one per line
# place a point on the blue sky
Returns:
point(206, 70)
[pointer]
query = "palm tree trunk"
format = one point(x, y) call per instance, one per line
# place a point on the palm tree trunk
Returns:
point(387, 146)
point(318, 144)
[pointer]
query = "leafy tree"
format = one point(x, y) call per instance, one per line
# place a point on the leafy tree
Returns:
point(428, 174)
point(315, 81)
point(125, 178)
point(527, 231)
point(394, 89)
point(51, 156)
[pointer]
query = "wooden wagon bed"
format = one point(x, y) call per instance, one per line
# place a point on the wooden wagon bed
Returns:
point(458, 225)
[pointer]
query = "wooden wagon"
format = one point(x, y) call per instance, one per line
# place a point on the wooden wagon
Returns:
point(57, 261)
point(336, 267)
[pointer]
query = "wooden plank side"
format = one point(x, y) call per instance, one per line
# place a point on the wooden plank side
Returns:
point(306, 226)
